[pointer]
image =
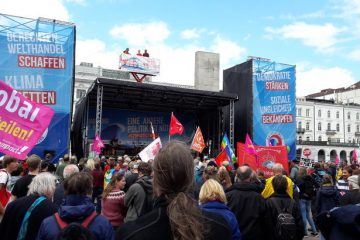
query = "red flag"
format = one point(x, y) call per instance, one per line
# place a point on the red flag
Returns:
point(152, 131)
point(222, 157)
point(175, 126)
point(198, 143)
point(249, 146)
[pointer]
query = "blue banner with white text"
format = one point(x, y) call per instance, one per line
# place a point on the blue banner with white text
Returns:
point(274, 101)
point(37, 59)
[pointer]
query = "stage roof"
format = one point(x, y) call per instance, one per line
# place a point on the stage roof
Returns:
point(152, 97)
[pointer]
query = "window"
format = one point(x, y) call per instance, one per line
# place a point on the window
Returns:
point(357, 116)
point(349, 128)
point(338, 140)
point(329, 126)
point(328, 114)
point(299, 112)
point(307, 138)
point(300, 138)
point(329, 139)
point(357, 128)
point(320, 138)
point(319, 126)
point(80, 93)
point(299, 125)
point(308, 112)
point(337, 114)
point(338, 127)
point(348, 116)
point(319, 113)
point(307, 126)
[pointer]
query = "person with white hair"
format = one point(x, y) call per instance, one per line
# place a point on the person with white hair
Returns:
point(23, 217)
point(353, 195)
point(278, 170)
point(59, 191)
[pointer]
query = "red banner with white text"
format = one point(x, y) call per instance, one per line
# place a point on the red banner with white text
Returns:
point(265, 159)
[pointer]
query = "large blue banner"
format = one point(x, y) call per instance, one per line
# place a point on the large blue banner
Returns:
point(274, 121)
point(129, 129)
point(37, 59)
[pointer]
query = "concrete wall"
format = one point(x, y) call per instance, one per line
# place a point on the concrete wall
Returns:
point(207, 67)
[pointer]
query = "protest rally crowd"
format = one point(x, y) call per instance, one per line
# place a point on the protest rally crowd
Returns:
point(175, 196)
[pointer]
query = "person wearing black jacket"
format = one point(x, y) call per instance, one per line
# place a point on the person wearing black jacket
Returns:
point(307, 186)
point(176, 215)
point(247, 204)
point(281, 200)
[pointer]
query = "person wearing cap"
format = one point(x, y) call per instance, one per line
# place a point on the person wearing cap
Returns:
point(353, 195)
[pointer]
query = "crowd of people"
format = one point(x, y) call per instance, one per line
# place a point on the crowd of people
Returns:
point(175, 196)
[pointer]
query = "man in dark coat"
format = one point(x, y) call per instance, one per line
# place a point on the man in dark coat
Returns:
point(247, 204)
point(136, 196)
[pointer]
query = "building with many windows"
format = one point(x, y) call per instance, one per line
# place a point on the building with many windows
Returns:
point(326, 129)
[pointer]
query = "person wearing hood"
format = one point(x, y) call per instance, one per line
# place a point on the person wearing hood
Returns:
point(353, 195)
point(212, 199)
point(326, 198)
point(307, 186)
point(136, 198)
point(245, 201)
point(76, 207)
point(341, 223)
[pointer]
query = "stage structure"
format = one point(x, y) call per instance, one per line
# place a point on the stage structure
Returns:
point(38, 60)
point(122, 112)
point(266, 106)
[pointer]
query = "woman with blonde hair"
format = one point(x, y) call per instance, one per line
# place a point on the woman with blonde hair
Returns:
point(175, 214)
point(212, 199)
point(113, 207)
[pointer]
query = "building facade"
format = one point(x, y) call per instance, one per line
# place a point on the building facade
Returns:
point(326, 129)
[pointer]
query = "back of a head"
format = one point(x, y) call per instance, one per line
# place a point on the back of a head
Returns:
point(280, 184)
point(173, 177)
point(145, 168)
point(69, 170)
point(243, 174)
point(327, 179)
point(80, 183)
point(43, 184)
point(278, 169)
point(211, 190)
point(33, 162)
point(66, 158)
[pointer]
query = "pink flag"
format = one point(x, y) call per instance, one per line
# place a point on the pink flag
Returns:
point(249, 146)
point(97, 144)
point(22, 122)
point(337, 160)
point(354, 156)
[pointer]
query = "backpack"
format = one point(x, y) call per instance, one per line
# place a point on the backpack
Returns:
point(285, 222)
point(75, 230)
point(148, 203)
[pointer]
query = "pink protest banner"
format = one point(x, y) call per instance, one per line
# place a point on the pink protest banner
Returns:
point(22, 122)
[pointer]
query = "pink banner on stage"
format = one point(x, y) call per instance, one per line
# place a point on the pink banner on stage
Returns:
point(98, 144)
point(266, 157)
point(22, 122)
